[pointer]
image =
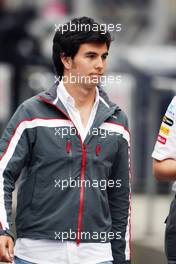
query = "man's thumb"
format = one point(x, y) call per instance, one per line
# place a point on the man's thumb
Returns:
point(10, 247)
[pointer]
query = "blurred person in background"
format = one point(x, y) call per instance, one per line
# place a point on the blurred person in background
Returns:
point(19, 47)
point(164, 169)
point(33, 144)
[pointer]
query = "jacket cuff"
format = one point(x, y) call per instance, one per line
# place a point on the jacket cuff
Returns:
point(7, 232)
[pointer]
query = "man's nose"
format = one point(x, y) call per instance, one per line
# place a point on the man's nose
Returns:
point(99, 63)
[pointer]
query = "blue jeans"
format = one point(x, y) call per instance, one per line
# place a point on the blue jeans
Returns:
point(21, 261)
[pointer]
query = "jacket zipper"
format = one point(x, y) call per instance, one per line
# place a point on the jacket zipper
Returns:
point(81, 203)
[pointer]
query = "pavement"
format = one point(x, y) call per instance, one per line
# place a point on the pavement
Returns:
point(148, 215)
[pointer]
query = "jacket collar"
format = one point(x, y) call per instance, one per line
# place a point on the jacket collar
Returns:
point(106, 108)
point(51, 95)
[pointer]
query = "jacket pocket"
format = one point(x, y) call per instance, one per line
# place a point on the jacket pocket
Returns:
point(52, 179)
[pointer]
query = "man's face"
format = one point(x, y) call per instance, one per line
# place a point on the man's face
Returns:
point(89, 64)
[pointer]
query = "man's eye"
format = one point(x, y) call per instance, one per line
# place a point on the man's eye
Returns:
point(91, 56)
point(104, 57)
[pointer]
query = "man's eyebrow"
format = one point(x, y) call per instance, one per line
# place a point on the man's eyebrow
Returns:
point(95, 53)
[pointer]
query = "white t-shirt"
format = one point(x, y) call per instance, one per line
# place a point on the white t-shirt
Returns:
point(165, 146)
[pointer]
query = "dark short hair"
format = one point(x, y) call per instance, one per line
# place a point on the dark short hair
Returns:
point(71, 35)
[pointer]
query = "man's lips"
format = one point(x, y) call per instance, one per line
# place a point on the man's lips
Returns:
point(96, 74)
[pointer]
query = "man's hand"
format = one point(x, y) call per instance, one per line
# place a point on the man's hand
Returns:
point(6, 249)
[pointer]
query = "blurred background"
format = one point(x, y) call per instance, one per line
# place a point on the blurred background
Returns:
point(143, 53)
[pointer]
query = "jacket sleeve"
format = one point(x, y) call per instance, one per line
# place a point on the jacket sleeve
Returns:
point(119, 201)
point(15, 148)
point(165, 147)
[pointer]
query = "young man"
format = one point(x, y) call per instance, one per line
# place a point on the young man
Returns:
point(164, 168)
point(71, 145)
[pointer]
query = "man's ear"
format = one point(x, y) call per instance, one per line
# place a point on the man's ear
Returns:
point(67, 61)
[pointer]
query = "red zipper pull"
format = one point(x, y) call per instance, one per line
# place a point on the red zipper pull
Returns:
point(85, 147)
point(98, 148)
point(68, 146)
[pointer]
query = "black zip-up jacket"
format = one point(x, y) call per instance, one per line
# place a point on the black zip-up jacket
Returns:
point(69, 189)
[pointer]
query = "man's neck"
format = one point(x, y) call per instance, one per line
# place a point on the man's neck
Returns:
point(83, 96)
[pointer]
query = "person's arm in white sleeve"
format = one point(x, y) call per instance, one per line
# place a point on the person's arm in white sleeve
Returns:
point(164, 170)
point(164, 154)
